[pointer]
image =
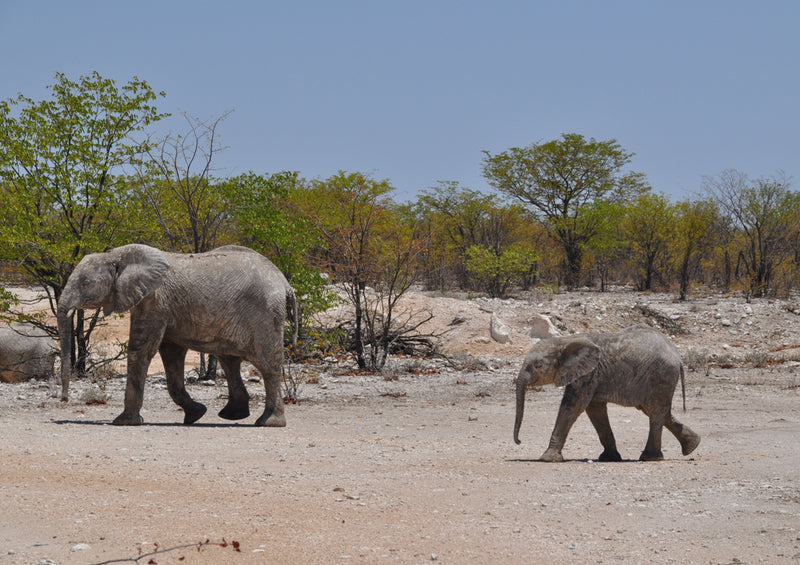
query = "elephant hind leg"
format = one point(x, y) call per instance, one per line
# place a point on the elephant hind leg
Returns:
point(270, 364)
point(598, 414)
point(652, 451)
point(238, 405)
point(687, 438)
point(173, 357)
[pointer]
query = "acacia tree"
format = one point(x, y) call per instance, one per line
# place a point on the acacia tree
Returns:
point(494, 271)
point(177, 183)
point(606, 248)
point(693, 226)
point(462, 222)
point(456, 218)
point(267, 216)
point(61, 162)
point(762, 211)
point(561, 180)
point(648, 228)
point(370, 253)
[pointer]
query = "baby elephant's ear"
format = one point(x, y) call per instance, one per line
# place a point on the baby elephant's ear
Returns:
point(140, 271)
point(579, 357)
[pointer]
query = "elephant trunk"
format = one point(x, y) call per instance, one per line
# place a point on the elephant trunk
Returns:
point(66, 339)
point(523, 380)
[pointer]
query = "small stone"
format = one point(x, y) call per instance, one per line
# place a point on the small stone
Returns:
point(81, 547)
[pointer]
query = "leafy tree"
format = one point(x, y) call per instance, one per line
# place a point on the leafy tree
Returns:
point(606, 247)
point(268, 217)
point(694, 221)
point(61, 162)
point(762, 210)
point(722, 238)
point(459, 218)
point(370, 253)
point(561, 180)
point(794, 244)
point(177, 183)
point(495, 272)
point(648, 228)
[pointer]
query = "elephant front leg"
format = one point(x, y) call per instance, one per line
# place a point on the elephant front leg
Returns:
point(142, 346)
point(598, 414)
point(134, 391)
point(573, 404)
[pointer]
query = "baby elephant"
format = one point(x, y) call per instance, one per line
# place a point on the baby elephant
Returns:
point(637, 367)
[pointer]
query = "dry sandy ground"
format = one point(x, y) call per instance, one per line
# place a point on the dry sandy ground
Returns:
point(418, 465)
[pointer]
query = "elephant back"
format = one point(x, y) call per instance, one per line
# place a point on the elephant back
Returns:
point(25, 352)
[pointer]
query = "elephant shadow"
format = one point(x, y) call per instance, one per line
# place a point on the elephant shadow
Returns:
point(584, 460)
point(153, 424)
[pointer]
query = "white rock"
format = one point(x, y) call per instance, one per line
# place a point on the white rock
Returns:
point(499, 330)
point(81, 547)
point(541, 327)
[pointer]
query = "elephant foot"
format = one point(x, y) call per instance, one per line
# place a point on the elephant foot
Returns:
point(552, 456)
point(238, 411)
point(271, 421)
point(654, 456)
point(193, 413)
point(128, 419)
point(689, 443)
point(610, 456)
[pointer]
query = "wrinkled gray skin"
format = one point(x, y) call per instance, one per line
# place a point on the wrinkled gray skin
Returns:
point(25, 352)
point(229, 302)
point(636, 367)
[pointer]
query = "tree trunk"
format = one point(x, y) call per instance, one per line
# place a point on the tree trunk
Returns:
point(81, 345)
point(572, 272)
point(684, 276)
point(66, 338)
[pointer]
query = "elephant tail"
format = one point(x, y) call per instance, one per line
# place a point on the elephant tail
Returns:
point(291, 304)
point(683, 388)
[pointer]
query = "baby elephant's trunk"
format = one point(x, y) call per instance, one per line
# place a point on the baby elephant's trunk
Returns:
point(522, 387)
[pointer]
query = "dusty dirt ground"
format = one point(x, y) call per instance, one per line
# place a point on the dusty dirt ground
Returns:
point(417, 464)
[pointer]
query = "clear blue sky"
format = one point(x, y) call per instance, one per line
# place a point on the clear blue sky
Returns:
point(412, 91)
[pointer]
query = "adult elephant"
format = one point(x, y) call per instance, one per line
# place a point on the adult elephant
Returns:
point(230, 302)
point(637, 367)
point(25, 352)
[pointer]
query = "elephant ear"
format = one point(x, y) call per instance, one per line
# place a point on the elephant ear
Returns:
point(140, 270)
point(578, 358)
